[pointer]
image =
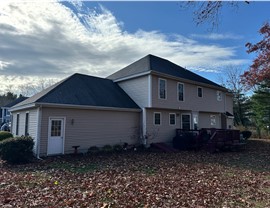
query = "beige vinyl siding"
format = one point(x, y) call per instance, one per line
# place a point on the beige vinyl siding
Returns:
point(137, 89)
point(207, 103)
point(205, 120)
point(32, 124)
point(92, 128)
point(229, 104)
point(164, 132)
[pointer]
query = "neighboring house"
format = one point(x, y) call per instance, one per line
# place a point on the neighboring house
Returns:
point(5, 109)
point(148, 99)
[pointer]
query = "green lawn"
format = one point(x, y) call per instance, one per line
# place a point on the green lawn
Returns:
point(142, 179)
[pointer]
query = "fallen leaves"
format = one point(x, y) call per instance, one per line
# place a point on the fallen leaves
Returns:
point(142, 179)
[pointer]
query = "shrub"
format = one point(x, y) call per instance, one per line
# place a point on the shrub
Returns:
point(93, 150)
point(5, 135)
point(17, 150)
point(246, 134)
point(117, 148)
point(107, 148)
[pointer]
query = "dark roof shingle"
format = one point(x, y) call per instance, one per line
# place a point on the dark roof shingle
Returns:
point(160, 65)
point(84, 90)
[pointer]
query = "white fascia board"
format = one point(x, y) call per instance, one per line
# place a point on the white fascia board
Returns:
point(132, 76)
point(54, 105)
point(22, 107)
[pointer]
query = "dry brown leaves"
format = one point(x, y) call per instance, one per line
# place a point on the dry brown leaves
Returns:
point(142, 179)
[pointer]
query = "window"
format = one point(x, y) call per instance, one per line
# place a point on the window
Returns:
point(212, 120)
point(172, 117)
point(180, 91)
point(26, 124)
point(186, 121)
point(162, 88)
point(157, 118)
point(56, 126)
point(200, 92)
point(219, 96)
point(17, 124)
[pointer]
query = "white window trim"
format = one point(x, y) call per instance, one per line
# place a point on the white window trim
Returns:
point(159, 79)
point(17, 129)
point(178, 92)
point(198, 92)
point(27, 112)
point(189, 119)
point(155, 119)
point(170, 119)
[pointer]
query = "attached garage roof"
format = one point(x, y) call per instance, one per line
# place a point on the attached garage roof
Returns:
point(160, 65)
point(84, 90)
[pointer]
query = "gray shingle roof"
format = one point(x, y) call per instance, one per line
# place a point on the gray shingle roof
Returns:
point(157, 64)
point(84, 90)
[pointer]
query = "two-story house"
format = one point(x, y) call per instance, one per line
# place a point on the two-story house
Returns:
point(144, 102)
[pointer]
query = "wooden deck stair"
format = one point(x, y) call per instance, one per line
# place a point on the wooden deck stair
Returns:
point(164, 147)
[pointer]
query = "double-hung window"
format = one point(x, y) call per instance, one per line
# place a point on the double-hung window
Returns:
point(157, 118)
point(162, 94)
point(172, 117)
point(200, 92)
point(180, 91)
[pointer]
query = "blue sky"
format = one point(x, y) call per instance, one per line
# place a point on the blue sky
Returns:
point(50, 40)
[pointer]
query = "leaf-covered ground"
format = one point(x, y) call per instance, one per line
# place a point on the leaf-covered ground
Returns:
point(142, 179)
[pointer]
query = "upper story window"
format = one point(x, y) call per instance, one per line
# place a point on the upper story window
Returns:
point(157, 118)
point(162, 88)
point(200, 92)
point(180, 91)
point(172, 118)
point(219, 96)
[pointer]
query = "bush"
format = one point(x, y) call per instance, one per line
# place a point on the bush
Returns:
point(107, 148)
point(246, 134)
point(17, 150)
point(5, 135)
point(93, 150)
point(117, 148)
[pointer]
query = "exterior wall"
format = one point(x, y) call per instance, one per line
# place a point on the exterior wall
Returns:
point(192, 102)
point(229, 104)
point(164, 132)
point(91, 128)
point(33, 124)
point(205, 120)
point(138, 90)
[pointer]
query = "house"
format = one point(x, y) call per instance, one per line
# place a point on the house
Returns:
point(5, 114)
point(149, 99)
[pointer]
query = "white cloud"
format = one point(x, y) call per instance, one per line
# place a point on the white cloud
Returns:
point(49, 40)
point(217, 36)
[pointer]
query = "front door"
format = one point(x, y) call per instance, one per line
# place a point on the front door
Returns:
point(56, 136)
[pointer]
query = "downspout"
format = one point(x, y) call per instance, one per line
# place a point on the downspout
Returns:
point(39, 116)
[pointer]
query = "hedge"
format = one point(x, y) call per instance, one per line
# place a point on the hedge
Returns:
point(17, 150)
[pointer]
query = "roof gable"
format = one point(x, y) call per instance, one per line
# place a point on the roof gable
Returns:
point(160, 65)
point(84, 90)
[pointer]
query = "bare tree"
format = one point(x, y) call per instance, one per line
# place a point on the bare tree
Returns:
point(208, 11)
point(231, 79)
point(30, 89)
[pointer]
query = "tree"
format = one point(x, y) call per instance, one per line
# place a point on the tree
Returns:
point(241, 103)
point(259, 71)
point(208, 11)
point(260, 105)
